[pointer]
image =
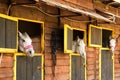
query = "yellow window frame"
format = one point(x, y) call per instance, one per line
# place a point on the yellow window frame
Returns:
point(9, 50)
point(65, 38)
point(89, 36)
point(42, 34)
point(66, 34)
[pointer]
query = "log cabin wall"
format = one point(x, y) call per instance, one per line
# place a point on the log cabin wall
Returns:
point(62, 69)
point(51, 24)
point(117, 48)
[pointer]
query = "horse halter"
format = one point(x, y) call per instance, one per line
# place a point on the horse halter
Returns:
point(26, 47)
point(29, 46)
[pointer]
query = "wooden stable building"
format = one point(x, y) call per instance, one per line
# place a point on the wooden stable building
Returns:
point(52, 26)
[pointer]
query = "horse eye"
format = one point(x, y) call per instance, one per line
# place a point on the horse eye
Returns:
point(23, 40)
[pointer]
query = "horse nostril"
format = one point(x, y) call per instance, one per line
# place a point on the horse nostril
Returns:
point(30, 52)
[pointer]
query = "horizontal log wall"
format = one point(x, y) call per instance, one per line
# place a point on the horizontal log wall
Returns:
point(116, 29)
point(52, 24)
point(6, 67)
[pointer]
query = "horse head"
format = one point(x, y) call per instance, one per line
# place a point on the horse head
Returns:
point(25, 44)
point(81, 46)
point(112, 44)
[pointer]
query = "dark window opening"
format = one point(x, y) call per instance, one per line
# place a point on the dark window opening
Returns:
point(106, 37)
point(78, 33)
point(34, 30)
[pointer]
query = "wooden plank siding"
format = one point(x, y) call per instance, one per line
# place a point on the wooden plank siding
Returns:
point(6, 67)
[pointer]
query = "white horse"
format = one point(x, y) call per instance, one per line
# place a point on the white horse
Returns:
point(79, 46)
point(112, 44)
point(25, 44)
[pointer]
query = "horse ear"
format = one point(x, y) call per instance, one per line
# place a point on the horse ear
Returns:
point(26, 35)
point(20, 34)
point(110, 37)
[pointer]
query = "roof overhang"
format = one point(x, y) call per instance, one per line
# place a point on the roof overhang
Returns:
point(117, 1)
point(78, 10)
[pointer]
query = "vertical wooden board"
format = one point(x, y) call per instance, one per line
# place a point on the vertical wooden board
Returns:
point(14, 34)
point(73, 68)
point(106, 65)
point(69, 39)
point(103, 65)
point(21, 68)
point(29, 68)
point(110, 71)
point(2, 32)
point(37, 68)
point(11, 32)
point(95, 36)
point(78, 70)
point(82, 68)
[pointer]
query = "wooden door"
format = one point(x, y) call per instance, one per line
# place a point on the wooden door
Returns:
point(29, 68)
point(77, 67)
point(106, 65)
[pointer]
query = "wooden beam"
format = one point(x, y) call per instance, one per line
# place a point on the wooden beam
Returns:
point(78, 10)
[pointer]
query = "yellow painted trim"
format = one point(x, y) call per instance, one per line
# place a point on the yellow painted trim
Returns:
point(105, 48)
point(17, 38)
point(78, 29)
point(75, 54)
point(14, 68)
point(89, 36)
point(65, 38)
point(8, 50)
point(42, 72)
point(22, 54)
point(107, 29)
point(30, 20)
point(42, 38)
point(8, 17)
point(71, 65)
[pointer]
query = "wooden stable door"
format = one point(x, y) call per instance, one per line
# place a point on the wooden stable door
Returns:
point(77, 67)
point(106, 65)
point(28, 68)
